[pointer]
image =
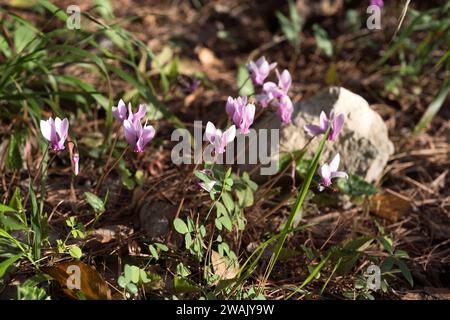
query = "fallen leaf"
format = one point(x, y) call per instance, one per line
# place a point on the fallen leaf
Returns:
point(222, 267)
point(389, 206)
point(90, 283)
point(207, 57)
point(439, 293)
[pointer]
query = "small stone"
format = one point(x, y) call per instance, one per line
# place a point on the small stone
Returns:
point(155, 218)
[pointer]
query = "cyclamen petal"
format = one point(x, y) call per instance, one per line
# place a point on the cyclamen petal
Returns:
point(241, 113)
point(207, 186)
point(313, 130)
point(141, 112)
point(378, 3)
point(334, 164)
point(338, 124)
point(285, 109)
point(120, 112)
point(329, 171)
point(55, 132)
point(210, 132)
point(260, 70)
point(136, 135)
point(335, 122)
point(247, 119)
point(284, 81)
point(75, 163)
point(269, 92)
point(130, 133)
point(46, 129)
point(218, 139)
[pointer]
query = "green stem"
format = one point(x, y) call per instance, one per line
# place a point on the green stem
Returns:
point(297, 206)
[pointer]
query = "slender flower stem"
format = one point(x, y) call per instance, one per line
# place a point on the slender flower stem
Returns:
point(296, 208)
point(105, 175)
point(40, 165)
point(100, 181)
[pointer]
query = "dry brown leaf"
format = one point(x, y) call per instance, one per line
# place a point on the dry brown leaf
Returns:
point(389, 206)
point(439, 293)
point(223, 268)
point(207, 57)
point(91, 284)
point(110, 233)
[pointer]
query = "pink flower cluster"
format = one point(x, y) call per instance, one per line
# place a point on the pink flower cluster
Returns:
point(272, 93)
point(136, 135)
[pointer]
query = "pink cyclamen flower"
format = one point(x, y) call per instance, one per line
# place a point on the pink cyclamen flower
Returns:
point(378, 3)
point(241, 113)
point(55, 131)
point(330, 171)
point(284, 82)
point(260, 70)
point(336, 123)
point(269, 92)
point(120, 112)
point(218, 138)
point(75, 161)
point(137, 135)
point(285, 109)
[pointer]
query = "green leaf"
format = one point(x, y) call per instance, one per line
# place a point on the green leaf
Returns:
point(23, 37)
point(188, 240)
point(244, 82)
point(153, 252)
point(180, 226)
point(182, 285)
point(245, 197)
point(75, 252)
point(134, 274)
point(105, 9)
point(228, 201)
point(356, 186)
point(13, 159)
point(291, 27)
point(405, 271)
point(220, 209)
point(226, 222)
point(434, 107)
point(16, 200)
point(5, 208)
point(143, 276)
point(218, 224)
point(162, 247)
point(35, 223)
point(322, 40)
point(182, 270)
point(95, 202)
point(4, 265)
point(122, 282)
point(359, 244)
point(132, 288)
point(387, 264)
point(11, 223)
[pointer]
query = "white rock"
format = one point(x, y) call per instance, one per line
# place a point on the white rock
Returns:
point(363, 143)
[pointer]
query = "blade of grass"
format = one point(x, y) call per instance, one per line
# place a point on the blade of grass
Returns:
point(296, 208)
point(433, 108)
